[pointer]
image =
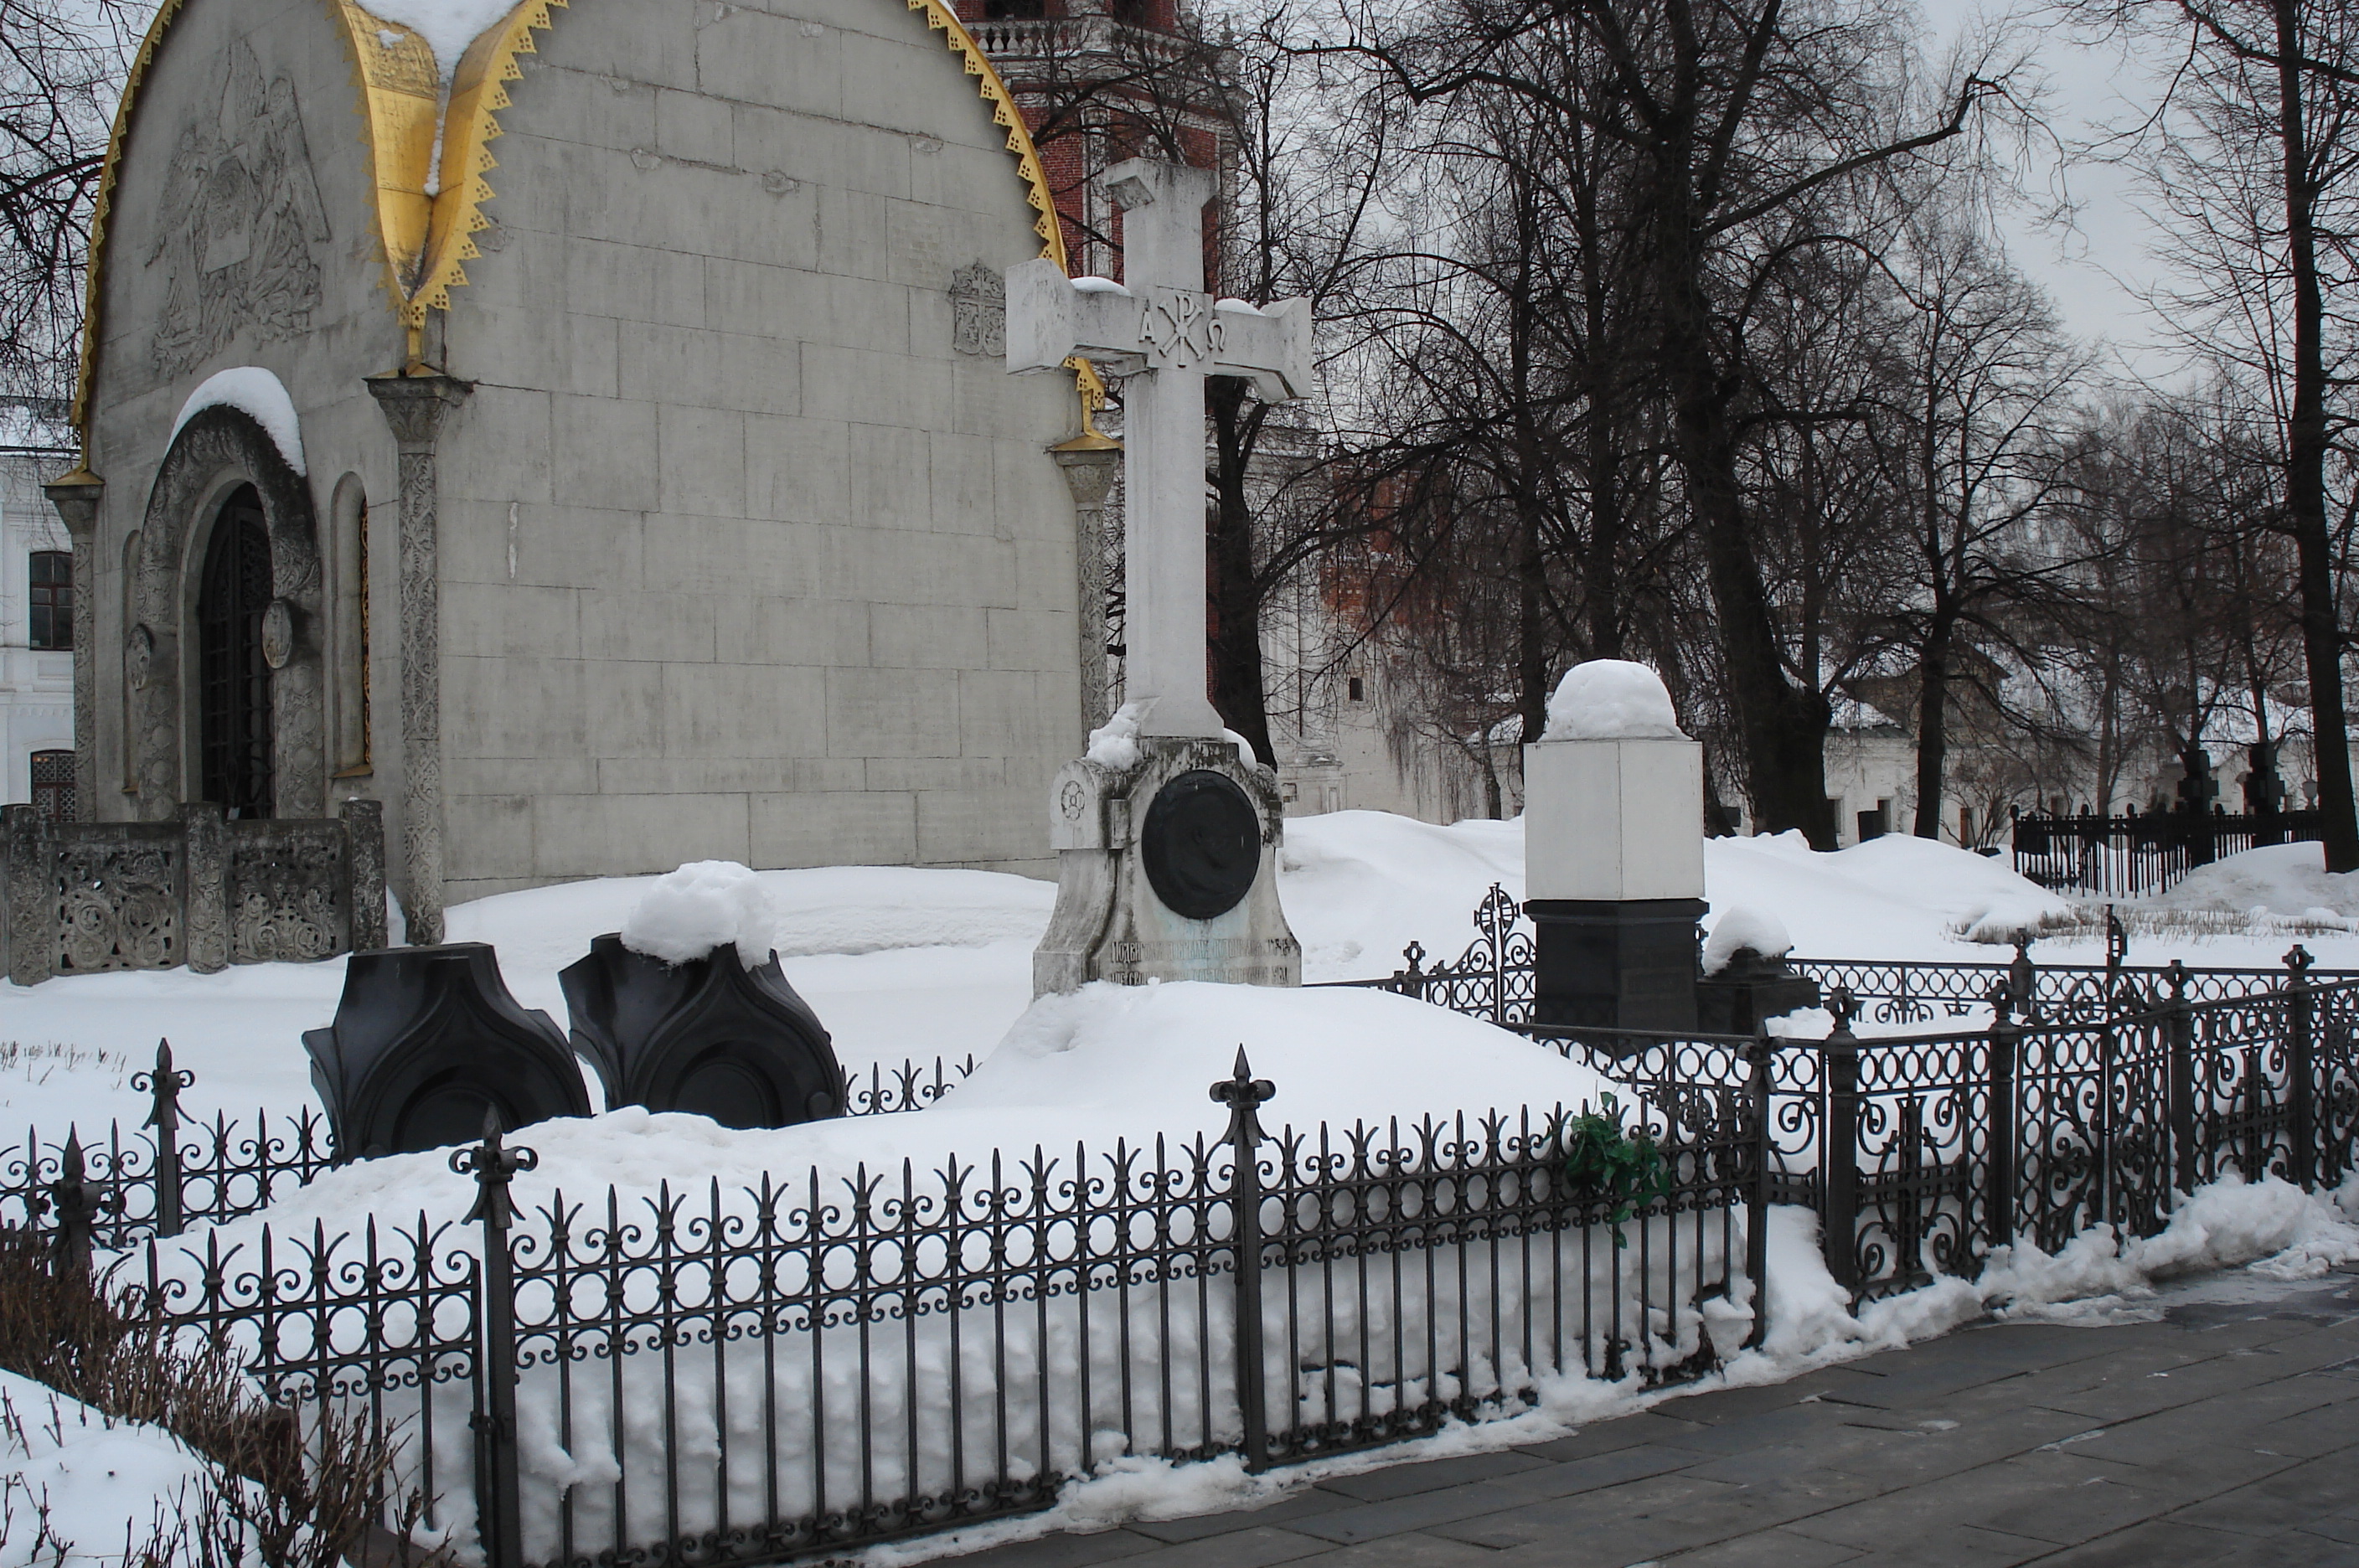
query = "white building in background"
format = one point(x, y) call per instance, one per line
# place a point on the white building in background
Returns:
point(36, 614)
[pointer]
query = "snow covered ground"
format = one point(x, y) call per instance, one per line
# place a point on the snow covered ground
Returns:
point(903, 963)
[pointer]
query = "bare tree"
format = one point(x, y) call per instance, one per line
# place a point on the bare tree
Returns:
point(2254, 157)
point(61, 71)
point(1736, 115)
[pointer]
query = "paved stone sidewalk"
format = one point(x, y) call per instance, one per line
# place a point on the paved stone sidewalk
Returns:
point(2226, 1434)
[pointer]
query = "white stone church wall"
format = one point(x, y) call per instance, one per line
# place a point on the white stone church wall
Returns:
point(268, 87)
point(740, 558)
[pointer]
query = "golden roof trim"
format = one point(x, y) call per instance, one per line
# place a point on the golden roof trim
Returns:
point(1003, 114)
point(470, 123)
point(427, 239)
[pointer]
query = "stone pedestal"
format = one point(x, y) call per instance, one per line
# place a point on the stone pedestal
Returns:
point(1750, 989)
point(1614, 879)
point(1167, 870)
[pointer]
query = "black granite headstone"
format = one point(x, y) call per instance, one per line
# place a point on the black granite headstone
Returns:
point(425, 1041)
point(710, 1037)
point(1607, 963)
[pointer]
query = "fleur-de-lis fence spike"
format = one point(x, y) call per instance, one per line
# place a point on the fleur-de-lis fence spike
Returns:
point(501, 1513)
point(165, 1082)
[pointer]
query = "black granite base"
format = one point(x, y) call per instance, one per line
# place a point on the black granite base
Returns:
point(1601, 964)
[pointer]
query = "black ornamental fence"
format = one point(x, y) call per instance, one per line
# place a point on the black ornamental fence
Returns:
point(2047, 1099)
point(713, 1374)
point(1920, 1154)
point(2133, 854)
point(176, 1170)
point(1493, 978)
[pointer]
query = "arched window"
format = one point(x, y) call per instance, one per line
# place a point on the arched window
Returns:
point(53, 785)
point(53, 599)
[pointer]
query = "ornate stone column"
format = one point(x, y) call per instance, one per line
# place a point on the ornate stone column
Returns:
point(1090, 471)
point(76, 499)
point(414, 406)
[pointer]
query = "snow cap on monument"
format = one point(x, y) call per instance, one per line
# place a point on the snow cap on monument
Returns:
point(706, 904)
point(1610, 698)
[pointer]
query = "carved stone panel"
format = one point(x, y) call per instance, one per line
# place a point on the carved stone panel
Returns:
point(241, 222)
point(118, 901)
point(287, 898)
point(979, 311)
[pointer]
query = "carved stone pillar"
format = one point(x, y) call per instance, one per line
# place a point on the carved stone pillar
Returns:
point(76, 499)
point(204, 922)
point(414, 406)
point(32, 912)
point(365, 849)
point(1089, 474)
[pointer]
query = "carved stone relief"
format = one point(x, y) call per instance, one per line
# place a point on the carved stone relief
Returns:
point(118, 905)
point(979, 311)
point(240, 221)
point(286, 892)
point(218, 448)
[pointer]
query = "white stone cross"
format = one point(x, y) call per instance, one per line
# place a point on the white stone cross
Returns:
point(1166, 334)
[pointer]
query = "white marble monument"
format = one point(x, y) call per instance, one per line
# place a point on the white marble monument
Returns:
point(1167, 833)
point(1614, 852)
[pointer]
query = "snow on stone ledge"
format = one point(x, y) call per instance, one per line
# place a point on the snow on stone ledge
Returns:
point(1743, 926)
point(685, 914)
point(252, 390)
point(1610, 699)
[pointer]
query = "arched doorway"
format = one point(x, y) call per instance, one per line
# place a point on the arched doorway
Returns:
point(233, 677)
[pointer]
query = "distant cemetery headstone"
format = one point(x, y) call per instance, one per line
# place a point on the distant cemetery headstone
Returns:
point(708, 1036)
point(425, 1041)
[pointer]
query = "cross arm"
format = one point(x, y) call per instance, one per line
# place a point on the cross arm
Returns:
point(1052, 317)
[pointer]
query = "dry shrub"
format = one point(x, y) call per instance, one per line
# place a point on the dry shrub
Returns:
point(298, 1489)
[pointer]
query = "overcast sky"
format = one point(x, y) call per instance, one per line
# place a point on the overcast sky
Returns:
point(2093, 268)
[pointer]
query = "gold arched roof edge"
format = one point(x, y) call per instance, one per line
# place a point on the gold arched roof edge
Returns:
point(470, 123)
point(1004, 113)
point(383, 55)
point(401, 106)
point(103, 203)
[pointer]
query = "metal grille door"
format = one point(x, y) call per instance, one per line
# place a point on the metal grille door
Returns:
point(232, 678)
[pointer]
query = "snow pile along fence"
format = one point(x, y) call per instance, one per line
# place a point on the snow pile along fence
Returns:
point(740, 1375)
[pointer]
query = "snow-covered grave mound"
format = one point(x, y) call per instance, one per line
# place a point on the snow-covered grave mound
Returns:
point(1107, 1064)
point(2286, 881)
point(853, 1274)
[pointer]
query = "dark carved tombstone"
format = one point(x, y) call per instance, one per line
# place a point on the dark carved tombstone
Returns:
point(426, 1039)
point(710, 1037)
